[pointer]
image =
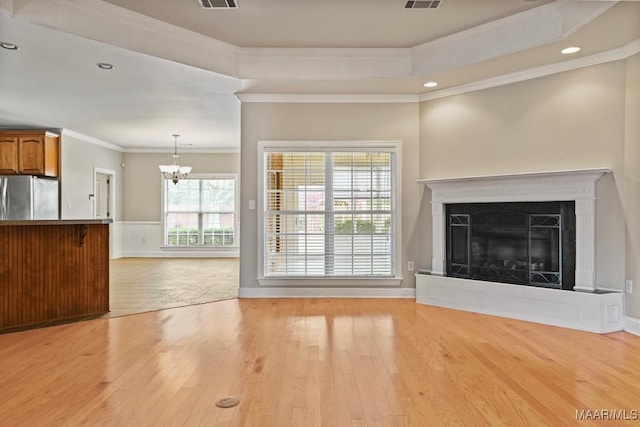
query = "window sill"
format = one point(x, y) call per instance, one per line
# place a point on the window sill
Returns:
point(301, 281)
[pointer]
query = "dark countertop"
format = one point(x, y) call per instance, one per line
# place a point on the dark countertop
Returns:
point(5, 223)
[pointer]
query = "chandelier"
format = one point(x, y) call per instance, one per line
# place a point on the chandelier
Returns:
point(175, 172)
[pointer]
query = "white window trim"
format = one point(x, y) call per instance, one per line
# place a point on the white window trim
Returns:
point(236, 207)
point(348, 146)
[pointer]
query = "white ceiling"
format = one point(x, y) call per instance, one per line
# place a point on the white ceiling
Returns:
point(53, 81)
point(179, 67)
point(328, 23)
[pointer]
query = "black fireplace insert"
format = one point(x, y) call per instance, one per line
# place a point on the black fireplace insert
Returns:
point(528, 243)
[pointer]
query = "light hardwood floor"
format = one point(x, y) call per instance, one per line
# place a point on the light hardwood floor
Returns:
point(324, 362)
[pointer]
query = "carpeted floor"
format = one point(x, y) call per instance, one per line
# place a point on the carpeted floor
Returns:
point(139, 285)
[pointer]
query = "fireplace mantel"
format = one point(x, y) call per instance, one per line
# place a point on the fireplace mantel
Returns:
point(523, 187)
point(567, 185)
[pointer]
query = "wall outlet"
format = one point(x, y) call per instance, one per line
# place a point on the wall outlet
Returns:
point(628, 286)
point(410, 265)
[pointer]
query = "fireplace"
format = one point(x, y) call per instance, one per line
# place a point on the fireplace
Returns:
point(525, 243)
point(520, 246)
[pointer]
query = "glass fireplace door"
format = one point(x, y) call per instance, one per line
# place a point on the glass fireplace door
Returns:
point(528, 243)
point(459, 248)
point(545, 249)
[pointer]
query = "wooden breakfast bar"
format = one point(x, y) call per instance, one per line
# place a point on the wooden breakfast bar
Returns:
point(52, 270)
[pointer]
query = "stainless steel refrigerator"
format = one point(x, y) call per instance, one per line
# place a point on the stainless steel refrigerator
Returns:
point(28, 197)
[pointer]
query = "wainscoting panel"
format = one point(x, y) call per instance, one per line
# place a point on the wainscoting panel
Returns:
point(144, 239)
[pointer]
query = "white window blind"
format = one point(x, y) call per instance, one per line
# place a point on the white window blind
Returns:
point(329, 214)
point(200, 212)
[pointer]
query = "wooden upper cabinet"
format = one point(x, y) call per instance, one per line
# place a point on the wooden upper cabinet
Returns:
point(29, 152)
point(31, 155)
point(8, 154)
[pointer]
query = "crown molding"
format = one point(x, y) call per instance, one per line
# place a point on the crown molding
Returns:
point(326, 98)
point(519, 76)
point(533, 73)
point(91, 140)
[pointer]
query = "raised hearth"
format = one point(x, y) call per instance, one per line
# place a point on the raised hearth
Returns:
point(585, 307)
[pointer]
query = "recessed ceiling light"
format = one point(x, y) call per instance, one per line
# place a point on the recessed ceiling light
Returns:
point(430, 84)
point(9, 46)
point(570, 50)
point(106, 66)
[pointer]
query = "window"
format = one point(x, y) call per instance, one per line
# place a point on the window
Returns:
point(329, 213)
point(200, 211)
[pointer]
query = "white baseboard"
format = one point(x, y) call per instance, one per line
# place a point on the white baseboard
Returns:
point(180, 254)
point(632, 325)
point(289, 292)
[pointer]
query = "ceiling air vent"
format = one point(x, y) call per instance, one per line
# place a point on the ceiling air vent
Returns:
point(423, 4)
point(219, 4)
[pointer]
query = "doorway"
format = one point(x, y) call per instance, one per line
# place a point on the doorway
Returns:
point(104, 200)
point(102, 196)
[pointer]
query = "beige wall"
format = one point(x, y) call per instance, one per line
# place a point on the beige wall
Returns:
point(571, 120)
point(78, 160)
point(331, 122)
point(632, 183)
point(142, 199)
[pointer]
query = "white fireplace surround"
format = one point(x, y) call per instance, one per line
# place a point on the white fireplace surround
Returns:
point(588, 310)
